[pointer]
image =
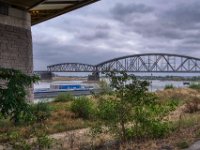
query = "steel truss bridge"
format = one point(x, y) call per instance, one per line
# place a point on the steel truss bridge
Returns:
point(151, 62)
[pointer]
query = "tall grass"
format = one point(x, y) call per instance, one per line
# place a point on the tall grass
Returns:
point(64, 97)
point(169, 86)
point(195, 86)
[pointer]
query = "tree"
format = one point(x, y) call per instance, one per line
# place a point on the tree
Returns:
point(133, 112)
point(13, 85)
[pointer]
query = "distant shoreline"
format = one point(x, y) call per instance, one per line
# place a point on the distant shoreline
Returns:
point(161, 78)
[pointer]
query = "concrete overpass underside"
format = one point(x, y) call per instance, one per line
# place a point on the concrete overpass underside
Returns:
point(16, 19)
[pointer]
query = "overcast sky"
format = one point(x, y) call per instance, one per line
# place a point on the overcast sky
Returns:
point(114, 28)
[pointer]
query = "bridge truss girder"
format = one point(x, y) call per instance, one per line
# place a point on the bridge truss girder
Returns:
point(156, 62)
point(71, 67)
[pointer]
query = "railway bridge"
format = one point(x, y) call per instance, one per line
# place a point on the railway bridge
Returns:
point(144, 63)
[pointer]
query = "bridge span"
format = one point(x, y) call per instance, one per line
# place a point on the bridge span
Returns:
point(149, 62)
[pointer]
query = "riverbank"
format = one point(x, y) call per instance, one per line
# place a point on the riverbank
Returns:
point(71, 132)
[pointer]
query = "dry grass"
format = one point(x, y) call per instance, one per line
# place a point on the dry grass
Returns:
point(186, 125)
point(193, 105)
point(172, 141)
point(61, 120)
point(181, 94)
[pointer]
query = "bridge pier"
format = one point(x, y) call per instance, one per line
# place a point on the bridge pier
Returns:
point(15, 39)
point(94, 77)
point(45, 75)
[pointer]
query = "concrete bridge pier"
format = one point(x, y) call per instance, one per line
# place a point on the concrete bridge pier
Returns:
point(94, 76)
point(15, 39)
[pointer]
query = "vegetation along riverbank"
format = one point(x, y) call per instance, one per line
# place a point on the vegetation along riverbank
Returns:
point(123, 116)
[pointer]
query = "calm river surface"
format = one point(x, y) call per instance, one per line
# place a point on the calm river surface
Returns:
point(155, 84)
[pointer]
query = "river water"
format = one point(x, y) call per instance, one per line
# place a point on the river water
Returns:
point(154, 86)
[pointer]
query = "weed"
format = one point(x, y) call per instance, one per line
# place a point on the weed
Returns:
point(197, 134)
point(193, 105)
point(43, 141)
point(22, 145)
point(64, 97)
point(41, 111)
point(60, 127)
point(169, 86)
point(14, 136)
point(82, 107)
point(195, 86)
point(182, 145)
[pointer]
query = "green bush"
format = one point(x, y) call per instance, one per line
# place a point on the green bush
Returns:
point(82, 107)
point(43, 141)
point(13, 103)
point(107, 110)
point(165, 107)
point(169, 86)
point(17, 141)
point(195, 86)
point(14, 136)
point(134, 112)
point(158, 129)
point(64, 97)
point(149, 129)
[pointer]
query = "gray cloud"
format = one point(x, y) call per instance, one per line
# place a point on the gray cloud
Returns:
point(183, 15)
point(95, 36)
point(121, 9)
point(109, 29)
point(46, 54)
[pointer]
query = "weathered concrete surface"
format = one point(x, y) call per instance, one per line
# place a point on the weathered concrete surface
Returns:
point(195, 146)
point(16, 48)
point(16, 17)
point(16, 41)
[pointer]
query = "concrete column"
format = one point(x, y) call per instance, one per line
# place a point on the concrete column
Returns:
point(15, 39)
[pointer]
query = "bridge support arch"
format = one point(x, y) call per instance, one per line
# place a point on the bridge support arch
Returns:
point(15, 39)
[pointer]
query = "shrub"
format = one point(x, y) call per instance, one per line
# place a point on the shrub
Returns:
point(64, 97)
point(13, 102)
point(82, 107)
point(165, 107)
point(193, 105)
point(169, 86)
point(149, 121)
point(22, 145)
point(41, 111)
point(195, 86)
point(158, 129)
point(151, 129)
point(107, 110)
point(14, 136)
point(17, 142)
point(105, 88)
point(134, 113)
point(43, 141)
